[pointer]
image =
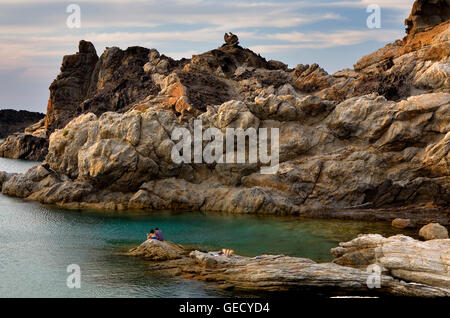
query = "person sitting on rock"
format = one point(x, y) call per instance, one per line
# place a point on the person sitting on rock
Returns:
point(152, 235)
point(159, 234)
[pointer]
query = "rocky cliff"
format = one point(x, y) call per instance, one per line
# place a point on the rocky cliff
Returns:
point(12, 121)
point(367, 143)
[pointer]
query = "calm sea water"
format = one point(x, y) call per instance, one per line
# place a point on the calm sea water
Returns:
point(37, 243)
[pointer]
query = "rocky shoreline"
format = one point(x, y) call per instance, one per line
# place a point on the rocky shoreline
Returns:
point(407, 267)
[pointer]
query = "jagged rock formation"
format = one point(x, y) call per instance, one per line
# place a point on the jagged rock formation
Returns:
point(415, 65)
point(401, 257)
point(12, 121)
point(426, 14)
point(32, 144)
point(367, 157)
point(231, 39)
point(4, 176)
point(279, 273)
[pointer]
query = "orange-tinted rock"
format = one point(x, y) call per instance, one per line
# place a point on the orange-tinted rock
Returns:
point(401, 223)
point(426, 14)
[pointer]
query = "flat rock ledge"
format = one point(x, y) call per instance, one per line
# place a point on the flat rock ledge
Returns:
point(280, 273)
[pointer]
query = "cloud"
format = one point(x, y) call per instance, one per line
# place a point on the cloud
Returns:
point(397, 4)
point(180, 55)
point(320, 40)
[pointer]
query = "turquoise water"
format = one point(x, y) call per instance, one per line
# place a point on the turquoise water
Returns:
point(37, 243)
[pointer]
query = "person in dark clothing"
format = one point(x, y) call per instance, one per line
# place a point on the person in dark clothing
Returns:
point(159, 234)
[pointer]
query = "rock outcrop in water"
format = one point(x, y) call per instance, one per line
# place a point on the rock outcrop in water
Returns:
point(370, 143)
point(158, 251)
point(423, 271)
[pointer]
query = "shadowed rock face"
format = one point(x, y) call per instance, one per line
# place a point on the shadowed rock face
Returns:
point(71, 86)
point(158, 251)
point(118, 81)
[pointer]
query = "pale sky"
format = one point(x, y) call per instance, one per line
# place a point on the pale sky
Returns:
point(34, 35)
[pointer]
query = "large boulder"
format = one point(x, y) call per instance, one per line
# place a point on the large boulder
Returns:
point(433, 231)
point(426, 14)
point(377, 154)
point(158, 250)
